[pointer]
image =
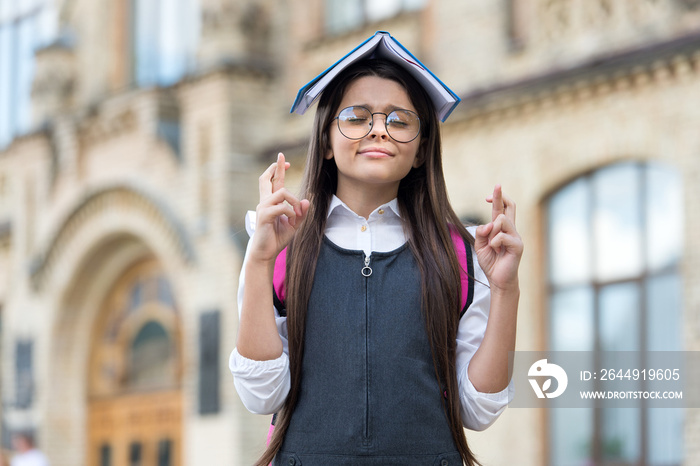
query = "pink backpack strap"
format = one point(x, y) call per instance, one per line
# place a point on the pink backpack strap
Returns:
point(271, 430)
point(278, 297)
point(466, 265)
point(278, 290)
point(269, 434)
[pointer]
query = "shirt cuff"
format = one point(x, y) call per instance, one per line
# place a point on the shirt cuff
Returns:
point(263, 386)
point(481, 409)
point(250, 222)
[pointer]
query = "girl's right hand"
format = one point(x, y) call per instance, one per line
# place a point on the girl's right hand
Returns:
point(278, 215)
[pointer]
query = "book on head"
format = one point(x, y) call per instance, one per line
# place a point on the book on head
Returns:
point(381, 45)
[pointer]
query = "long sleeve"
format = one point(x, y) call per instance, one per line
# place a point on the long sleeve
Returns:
point(479, 410)
point(262, 385)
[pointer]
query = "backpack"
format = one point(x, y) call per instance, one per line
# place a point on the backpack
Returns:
point(464, 256)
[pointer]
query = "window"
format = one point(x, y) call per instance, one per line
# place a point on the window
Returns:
point(165, 40)
point(24, 27)
point(151, 358)
point(135, 449)
point(165, 454)
point(209, 362)
point(24, 374)
point(106, 455)
point(345, 15)
point(614, 285)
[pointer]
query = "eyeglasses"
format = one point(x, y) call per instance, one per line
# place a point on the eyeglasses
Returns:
point(357, 122)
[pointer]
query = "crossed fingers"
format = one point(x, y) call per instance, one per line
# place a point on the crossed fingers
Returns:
point(272, 179)
point(501, 204)
point(502, 232)
point(273, 194)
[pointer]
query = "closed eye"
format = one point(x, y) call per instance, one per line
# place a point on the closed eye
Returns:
point(397, 123)
point(355, 120)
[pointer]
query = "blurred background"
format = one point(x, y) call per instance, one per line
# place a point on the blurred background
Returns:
point(132, 134)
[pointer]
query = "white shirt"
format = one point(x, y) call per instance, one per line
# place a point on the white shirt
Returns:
point(263, 385)
point(32, 457)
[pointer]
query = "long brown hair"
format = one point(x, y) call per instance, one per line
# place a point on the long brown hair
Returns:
point(426, 216)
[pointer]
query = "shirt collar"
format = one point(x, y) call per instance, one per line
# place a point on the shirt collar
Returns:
point(339, 207)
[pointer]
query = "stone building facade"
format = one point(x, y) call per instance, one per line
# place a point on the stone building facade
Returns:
point(130, 151)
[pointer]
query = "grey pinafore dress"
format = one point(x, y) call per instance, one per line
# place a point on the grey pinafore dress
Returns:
point(369, 395)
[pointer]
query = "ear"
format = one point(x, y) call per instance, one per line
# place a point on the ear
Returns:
point(420, 155)
point(329, 154)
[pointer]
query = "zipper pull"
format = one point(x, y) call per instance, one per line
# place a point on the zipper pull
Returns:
point(366, 270)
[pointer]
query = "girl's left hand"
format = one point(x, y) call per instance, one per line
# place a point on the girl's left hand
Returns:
point(498, 245)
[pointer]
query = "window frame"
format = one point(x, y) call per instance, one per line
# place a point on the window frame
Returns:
point(641, 281)
point(158, 69)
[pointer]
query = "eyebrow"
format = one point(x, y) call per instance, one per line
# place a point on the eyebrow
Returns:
point(387, 110)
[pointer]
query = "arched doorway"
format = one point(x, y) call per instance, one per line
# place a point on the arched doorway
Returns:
point(135, 371)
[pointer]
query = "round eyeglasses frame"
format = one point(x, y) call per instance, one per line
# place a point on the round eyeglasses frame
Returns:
point(371, 123)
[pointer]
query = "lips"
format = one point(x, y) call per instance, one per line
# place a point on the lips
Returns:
point(375, 152)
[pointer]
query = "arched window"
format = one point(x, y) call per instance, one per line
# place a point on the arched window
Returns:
point(614, 244)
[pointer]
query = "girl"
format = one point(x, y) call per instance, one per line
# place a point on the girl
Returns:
point(368, 360)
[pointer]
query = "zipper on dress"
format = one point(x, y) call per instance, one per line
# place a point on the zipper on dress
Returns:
point(366, 272)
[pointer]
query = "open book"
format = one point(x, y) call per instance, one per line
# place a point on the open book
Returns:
point(381, 45)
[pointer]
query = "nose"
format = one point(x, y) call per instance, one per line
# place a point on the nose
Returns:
point(379, 129)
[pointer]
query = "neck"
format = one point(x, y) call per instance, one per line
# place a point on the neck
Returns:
point(363, 200)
